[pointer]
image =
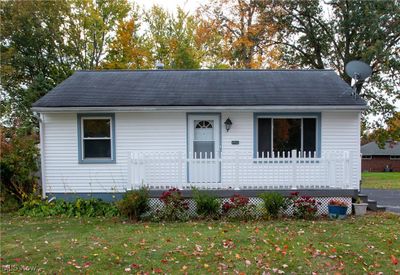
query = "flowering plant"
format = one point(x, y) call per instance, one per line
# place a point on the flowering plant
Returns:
point(174, 198)
point(304, 207)
point(238, 207)
point(337, 203)
point(175, 206)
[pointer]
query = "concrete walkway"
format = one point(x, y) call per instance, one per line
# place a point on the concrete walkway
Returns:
point(387, 198)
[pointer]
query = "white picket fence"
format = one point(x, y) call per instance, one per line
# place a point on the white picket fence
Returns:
point(295, 170)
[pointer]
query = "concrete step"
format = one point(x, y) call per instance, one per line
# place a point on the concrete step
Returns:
point(380, 208)
point(372, 205)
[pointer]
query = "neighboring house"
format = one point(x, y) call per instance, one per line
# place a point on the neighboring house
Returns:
point(375, 159)
point(104, 132)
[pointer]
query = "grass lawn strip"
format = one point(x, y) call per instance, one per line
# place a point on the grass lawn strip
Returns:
point(356, 245)
point(381, 180)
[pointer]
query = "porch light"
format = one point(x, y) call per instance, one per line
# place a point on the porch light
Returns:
point(228, 124)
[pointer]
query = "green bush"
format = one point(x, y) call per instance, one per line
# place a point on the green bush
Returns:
point(273, 203)
point(134, 204)
point(36, 207)
point(207, 206)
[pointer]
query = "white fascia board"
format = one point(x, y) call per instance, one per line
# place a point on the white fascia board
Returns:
point(196, 108)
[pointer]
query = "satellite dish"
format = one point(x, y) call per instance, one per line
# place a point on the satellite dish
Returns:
point(159, 65)
point(358, 70)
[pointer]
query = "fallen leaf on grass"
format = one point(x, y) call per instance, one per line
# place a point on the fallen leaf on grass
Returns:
point(134, 266)
point(394, 260)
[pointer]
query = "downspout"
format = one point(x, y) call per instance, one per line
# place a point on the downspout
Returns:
point(40, 117)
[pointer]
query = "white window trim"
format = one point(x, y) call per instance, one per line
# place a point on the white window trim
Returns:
point(82, 138)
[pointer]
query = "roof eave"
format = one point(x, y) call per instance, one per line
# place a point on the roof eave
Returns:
point(196, 108)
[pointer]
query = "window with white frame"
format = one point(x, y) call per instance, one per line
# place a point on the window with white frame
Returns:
point(394, 157)
point(96, 138)
point(281, 135)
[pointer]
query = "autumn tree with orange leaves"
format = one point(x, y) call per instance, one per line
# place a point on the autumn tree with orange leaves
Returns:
point(246, 32)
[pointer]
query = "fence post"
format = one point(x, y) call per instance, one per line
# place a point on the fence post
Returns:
point(180, 168)
point(237, 169)
point(332, 170)
point(130, 167)
point(294, 167)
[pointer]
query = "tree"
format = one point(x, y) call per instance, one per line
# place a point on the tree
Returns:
point(173, 38)
point(91, 27)
point(245, 32)
point(129, 49)
point(384, 134)
point(34, 55)
point(321, 35)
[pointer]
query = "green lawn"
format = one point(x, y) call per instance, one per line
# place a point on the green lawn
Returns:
point(381, 180)
point(369, 244)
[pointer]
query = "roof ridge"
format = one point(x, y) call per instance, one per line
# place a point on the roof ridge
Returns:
point(206, 70)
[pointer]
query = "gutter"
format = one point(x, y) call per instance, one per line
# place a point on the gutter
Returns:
point(196, 108)
point(40, 117)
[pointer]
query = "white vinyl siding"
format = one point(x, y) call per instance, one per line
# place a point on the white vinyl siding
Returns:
point(133, 132)
point(341, 131)
point(161, 132)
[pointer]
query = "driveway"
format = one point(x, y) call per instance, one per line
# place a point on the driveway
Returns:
point(388, 198)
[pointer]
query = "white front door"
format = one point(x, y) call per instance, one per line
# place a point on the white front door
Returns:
point(204, 148)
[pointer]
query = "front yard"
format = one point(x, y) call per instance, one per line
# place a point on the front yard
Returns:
point(381, 180)
point(369, 244)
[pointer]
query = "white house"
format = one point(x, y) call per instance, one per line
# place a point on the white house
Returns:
point(104, 132)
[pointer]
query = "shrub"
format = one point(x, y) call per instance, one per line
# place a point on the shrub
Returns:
point(239, 208)
point(18, 163)
point(36, 207)
point(206, 205)
point(175, 207)
point(304, 207)
point(134, 204)
point(274, 203)
point(8, 202)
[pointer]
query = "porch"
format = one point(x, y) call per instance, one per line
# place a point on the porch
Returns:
point(242, 171)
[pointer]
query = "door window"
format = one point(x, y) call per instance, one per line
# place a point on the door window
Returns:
point(204, 141)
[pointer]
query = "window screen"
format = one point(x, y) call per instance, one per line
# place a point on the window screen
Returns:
point(282, 135)
point(287, 135)
point(96, 138)
point(309, 135)
point(264, 136)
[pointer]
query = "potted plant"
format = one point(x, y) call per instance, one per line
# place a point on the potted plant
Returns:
point(337, 209)
point(360, 208)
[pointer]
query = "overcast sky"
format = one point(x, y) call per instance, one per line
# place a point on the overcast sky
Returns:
point(187, 5)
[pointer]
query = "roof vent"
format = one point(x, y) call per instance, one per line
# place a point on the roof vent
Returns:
point(159, 65)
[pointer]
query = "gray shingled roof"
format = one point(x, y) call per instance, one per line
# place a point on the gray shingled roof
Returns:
point(372, 149)
point(201, 88)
